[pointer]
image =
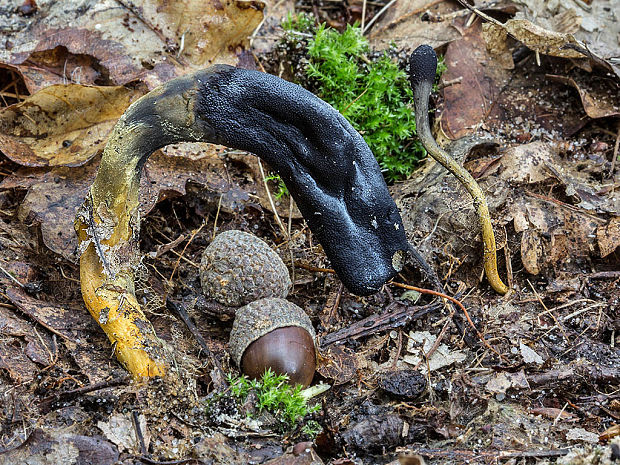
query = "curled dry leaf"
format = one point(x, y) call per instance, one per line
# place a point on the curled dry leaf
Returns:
point(591, 23)
point(62, 125)
point(537, 38)
point(403, 24)
point(600, 98)
point(115, 42)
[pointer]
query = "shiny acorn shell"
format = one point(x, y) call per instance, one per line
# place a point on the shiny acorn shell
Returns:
point(261, 317)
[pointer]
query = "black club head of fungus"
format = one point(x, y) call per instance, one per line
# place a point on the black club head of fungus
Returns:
point(277, 334)
point(328, 168)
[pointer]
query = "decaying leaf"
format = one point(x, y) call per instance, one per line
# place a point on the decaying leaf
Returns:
point(472, 100)
point(423, 341)
point(338, 364)
point(608, 236)
point(57, 446)
point(115, 42)
point(531, 251)
point(502, 381)
point(119, 429)
point(600, 98)
point(62, 125)
point(74, 326)
point(406, 24)
point(530, 355)
point(528, 163)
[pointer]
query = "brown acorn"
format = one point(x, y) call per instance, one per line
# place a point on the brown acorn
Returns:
point(238, 268)
point(274, 333)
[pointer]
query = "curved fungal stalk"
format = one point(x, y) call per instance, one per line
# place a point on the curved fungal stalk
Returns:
point(328, 168)
point(422, 69)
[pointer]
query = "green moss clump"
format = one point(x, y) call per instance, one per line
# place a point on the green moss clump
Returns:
point(274, 395)
point(373, 94)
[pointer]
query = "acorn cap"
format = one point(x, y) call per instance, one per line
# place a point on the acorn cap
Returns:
point(261, 317)
point(238, 268)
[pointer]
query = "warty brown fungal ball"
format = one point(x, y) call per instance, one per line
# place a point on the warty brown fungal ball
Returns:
point(238, 268)
point(274, 333)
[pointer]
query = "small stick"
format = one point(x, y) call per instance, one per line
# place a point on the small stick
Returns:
point(68, 395)
point(614, 157)
point(423, 291)
point(435, 346)
point(179, 310)
point(422, 70)
point(138, 431)
point(459, 304)
point(271, 202)
point(178, 262)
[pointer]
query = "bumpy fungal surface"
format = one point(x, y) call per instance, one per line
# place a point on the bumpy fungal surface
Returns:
point(238, 268)
point(328, 168)
point(261, 317)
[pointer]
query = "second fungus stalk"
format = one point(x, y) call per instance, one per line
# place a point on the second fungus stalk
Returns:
point(423, 66)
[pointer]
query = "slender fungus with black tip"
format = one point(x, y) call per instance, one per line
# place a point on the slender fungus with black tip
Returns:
point(422, 69)
point(326, 165)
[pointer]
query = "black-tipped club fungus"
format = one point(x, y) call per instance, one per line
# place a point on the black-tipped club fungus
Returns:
point(328, 168)
point(422, 70)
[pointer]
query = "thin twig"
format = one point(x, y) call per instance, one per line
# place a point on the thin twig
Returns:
point(557, 322)
point(273, 206)
point(178, 262)
point(11, 277)
point(460, 305)
point(614, 157)
point(138, 430)
point(217, 215)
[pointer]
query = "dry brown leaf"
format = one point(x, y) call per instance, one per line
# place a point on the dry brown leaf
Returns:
point(403, 24)
point(600, 97)
point(472, 100)
point(15, 363)
point(204, 31)
point(59, 446)
point(608, 236)
point(115, 42)
point(87, 345)
point(17, 357)
point(62, 125)
point(528, 163)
